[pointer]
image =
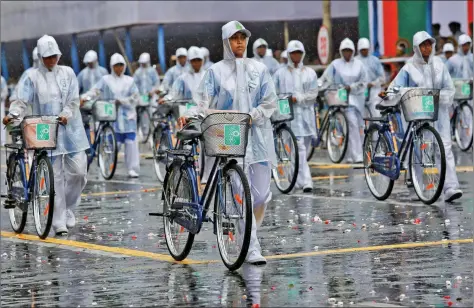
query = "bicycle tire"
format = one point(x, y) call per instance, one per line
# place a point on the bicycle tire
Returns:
point(232, 266)
point(176, 167)
point(49, 208)
point(112, 167)
point(310, 152)
point(292, 184)
point(368, 114)
point(440, 187)
point(17, 227)
point(157, 164)
point(344, 142)
point(468, 108)
point(368, 177)
point(140, 117)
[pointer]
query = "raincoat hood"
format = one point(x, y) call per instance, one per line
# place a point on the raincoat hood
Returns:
point(195, 53)
point(144, 58)
point(259, 42)
point(115, 59)
point(181, 52)
point(35, 57)
point(463, 39)
point(90, 56)
point(347, 44)
point(284, 54)
point(363, 43)
point(448, 47)
point(47, 47)
point(419, 38)
point(228, 30)
point(205, 52)
point(292, 47)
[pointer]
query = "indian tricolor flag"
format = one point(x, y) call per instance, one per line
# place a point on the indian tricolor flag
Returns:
point(386, 22)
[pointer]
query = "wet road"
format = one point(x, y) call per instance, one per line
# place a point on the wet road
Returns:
point(337, 246)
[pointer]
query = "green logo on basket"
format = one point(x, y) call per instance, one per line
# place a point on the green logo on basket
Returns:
point(190, 105)
point(231, 134)
point(42, 132)
point(342, 95)
point(366, 93)
point(427, 103)
point(145, 98)
point(466, 89)
point(284, 106)
point(109, 109)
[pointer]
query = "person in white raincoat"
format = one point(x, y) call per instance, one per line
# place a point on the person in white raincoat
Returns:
point(53, 90)
point(218, 91)
point(3, 98)
point(146, 78)
point(25, 73)
point(350, 73)
point(424, 70)
point(260, 47)
point(175, 71)
point(283, 58)
point(448, 52)
point(375, 74)
point(207, 61)
point(122, 89)
point(302, 83)
point(461, 64)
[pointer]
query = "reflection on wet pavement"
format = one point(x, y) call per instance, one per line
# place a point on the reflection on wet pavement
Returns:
point(337, 246)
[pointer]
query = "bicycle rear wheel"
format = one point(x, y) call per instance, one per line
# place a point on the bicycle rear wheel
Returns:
point(160, 145)
point(463, 126)
point(427, 164)
point(108, 152)
point(178, 187)
point(16, 189)
point(43, 196)
point(233, 216)
point(337, 136)
point(286, 150)
point(144, 124)
point(379, 185)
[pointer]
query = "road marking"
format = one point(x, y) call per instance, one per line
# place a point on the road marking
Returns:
point(122, 182)
point(102, 248)
point(120, 192)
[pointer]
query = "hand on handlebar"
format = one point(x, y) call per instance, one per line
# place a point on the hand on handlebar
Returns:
point(162, 101)
point(348, 89)
point(62, 120)
point(7, 120)
point(293, 99)
point(182, 121)
point(383, 94)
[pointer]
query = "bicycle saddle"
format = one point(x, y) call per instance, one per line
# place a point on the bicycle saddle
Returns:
point(189, 133)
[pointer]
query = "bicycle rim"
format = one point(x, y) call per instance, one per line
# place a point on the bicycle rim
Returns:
point(107, 157)
point(160, 160)
point(379, 185)
point(337, 137)
point(43, 197)
point(427, 164)
point(463, 127)
point(233, 216)
point(16, 187)
point(287, 160)
point(178, 239)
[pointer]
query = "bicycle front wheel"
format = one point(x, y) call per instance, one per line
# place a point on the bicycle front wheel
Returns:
point(178, 187)
point(144, 124)
point(337, 136)
point(108, 152)
point(463, 127)
point(376, 144)
point(286, 150)
point(43, 196)
point(427, 164)
point(160, 145)
point(16, 189)
point(233, 216)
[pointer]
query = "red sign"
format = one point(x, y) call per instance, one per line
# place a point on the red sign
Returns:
point(323, 45)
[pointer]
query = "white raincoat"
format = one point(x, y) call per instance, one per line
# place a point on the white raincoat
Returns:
point(375, 75)
point(460, 65)
point(302, 83)
point(207, 62)
point(174, 72)
point(353, 74)
point(434, 74)
point(146, 78)
point(284, 55)
point(448, 47)
point(271, 63)
point(52, 93)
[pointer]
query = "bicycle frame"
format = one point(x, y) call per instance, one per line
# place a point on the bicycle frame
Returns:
point(322, 127)
point(96, 142)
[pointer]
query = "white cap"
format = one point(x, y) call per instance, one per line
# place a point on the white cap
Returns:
point(295, 46)
point(233, 27)
point(90, 56)
point(144, 58)
point(47, 47)
point(194, 53)
point(448, 47)
point(116, 59)
point(181, 52)
point(363, 43)
point(463, 39)
point(347, 44)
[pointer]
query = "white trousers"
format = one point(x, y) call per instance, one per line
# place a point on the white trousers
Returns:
point(303, 179)
point(354, 146)
point(443, 127)
point(70, 178)
point(132, 155)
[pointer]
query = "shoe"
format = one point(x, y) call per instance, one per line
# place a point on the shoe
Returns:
point(133, 174)
point(452, 194)
point(70, 219)
point(255, 257)
point(61, 231)
point(308, 189)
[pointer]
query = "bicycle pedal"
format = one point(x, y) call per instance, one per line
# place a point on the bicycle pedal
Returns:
point(228, 226)
point(409, 183)
point(9, 204)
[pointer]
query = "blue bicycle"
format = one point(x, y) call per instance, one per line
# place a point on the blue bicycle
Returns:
point(185, 208)
point(33, 184)
point(384, 156)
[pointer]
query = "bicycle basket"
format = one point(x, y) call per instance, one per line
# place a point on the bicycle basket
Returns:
point(183, 106)
point(144, 100)
point(284, 111)
point(225, 134)
point(40, 132)
point(104, 111)
point(463, 89)
point(337, 97)
point(420, 104)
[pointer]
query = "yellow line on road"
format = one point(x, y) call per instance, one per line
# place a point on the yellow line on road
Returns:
point(120, 192)
point(87, 246)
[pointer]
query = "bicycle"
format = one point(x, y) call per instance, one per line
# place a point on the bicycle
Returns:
point(334, 127)
point(104, 142)
point(33, 184)
point(382, 153)
point(461, 120)
point(143, 119)
point(286, 148)
point(185, 208)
